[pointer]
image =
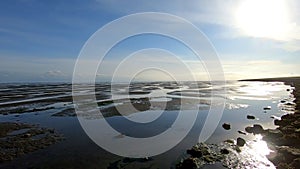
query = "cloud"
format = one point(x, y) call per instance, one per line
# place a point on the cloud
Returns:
point(54, 73)
point(218, 13)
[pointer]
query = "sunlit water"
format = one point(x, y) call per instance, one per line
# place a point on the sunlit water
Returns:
point(77, 150)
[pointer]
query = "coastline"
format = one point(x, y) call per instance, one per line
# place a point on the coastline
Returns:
point(283, 141)
point(285, 138)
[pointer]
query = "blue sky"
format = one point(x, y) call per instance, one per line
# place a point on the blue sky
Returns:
point(40, 40)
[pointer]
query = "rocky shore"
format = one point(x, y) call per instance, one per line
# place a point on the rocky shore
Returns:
point(283, 141)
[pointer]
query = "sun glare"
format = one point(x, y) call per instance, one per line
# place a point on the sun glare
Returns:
point(263, 18)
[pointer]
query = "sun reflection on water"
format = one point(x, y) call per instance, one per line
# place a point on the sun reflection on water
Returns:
point(260, 146)
point(257, 150)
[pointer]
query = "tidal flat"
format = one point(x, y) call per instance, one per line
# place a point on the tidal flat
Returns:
point(44, 116)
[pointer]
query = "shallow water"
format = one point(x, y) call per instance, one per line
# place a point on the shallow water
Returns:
point(41, 101)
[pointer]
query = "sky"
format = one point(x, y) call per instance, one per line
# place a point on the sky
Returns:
point(40, 40)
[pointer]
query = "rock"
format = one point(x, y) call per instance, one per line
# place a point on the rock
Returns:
point(226, 126)
point(282, 101)
point(250, 117)
point(27, 135)
point(229, 141)
point(288, 129)
point(209, 158)
point(277, 122)
point(273, 133)
point(296, 163)
point(240, 142)
point(267, 108)
point(194, 152)
point(289, 151)
point(187, 163)
point(51, 131)
point(224, 151)
point(241, 132)
point(237, 149)
point(275, 117)
point(256, 129)
point(289, 104)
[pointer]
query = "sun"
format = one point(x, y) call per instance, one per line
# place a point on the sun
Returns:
point(262, 18)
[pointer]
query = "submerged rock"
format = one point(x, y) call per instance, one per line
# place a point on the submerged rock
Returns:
point(226, 126)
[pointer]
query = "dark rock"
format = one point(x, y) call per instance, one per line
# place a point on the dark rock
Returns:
point(237, 149)
point(240, 142)
point(296, 163)
point(224, 151)
point(289, 152)
point(289, 104)
point(209, 158)
point(275, 117)
point(250, 117)
point(288, 129)
point(277, 122)
point(229, 141)
point(256, 129)
point(51, 131)
point(241, 132)
point(273, 133)
point(188, 163)
point(267, 108)
point(226, 126)
point(27, 135)
point(194, 152)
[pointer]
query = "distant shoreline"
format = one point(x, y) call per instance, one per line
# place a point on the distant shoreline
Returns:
point(295, 79)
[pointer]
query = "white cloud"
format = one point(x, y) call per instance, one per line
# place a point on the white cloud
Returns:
point(217, 12)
